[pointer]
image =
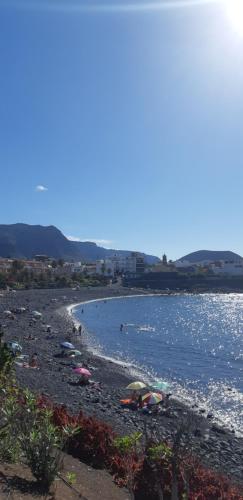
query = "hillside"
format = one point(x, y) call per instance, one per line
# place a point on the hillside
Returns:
point(211, 255)
point(25, 241)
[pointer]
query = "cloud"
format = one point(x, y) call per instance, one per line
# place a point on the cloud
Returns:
point(101, 242)
point(129, 7)
point(41, 188)
point(73, 238)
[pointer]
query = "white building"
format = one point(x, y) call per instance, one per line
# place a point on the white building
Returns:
point(105, 267)
point(229, 268)
point(130, 264)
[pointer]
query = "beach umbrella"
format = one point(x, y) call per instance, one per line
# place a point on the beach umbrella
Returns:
point(152, 398)
point(82, 371)
point(14, 346)
point(74, 352)
point(67, 345)
point(135, 386)
point(36, 314)
point(161, 385)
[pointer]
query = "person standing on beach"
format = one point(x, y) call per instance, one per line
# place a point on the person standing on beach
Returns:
point(80, 330)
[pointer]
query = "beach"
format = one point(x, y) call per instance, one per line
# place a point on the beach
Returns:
point(217, 447)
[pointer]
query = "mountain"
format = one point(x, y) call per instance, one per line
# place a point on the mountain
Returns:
point(211, 255)
point(25, 241)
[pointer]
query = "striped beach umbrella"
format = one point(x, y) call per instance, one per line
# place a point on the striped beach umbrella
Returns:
point(152, 398)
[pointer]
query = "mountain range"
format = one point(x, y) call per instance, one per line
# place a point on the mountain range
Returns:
point(25, 241)
point(211, 255)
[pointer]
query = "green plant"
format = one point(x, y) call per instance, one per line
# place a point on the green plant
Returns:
point(40, 441)
point(127, 444)
point(159, 452)
point(71, 477)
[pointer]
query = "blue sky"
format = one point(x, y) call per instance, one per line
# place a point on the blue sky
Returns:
point(130, 117)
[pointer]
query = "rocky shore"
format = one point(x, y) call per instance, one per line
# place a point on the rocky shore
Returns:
point(217, 447)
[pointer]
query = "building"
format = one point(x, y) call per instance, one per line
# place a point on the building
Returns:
point(121, 264)
point(229, 268)
point(105, 267)
point(5, 265)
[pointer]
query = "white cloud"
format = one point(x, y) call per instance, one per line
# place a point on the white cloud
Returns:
point(73, 238)
point(101, 242)
point(41, 188)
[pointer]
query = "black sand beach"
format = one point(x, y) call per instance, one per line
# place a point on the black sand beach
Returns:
point(217, 447)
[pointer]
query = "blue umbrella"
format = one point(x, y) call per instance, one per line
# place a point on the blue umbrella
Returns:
point(67, 345)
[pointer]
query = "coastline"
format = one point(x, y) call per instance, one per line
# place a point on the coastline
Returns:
point(216, 446)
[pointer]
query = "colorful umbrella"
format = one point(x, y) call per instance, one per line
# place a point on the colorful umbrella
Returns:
point(135, 386)
point(82, 371)
point(67, 345)
point(152, 398)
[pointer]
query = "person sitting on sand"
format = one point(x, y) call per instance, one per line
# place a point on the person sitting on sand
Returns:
point(83, 380)
point(30, 337)
point(33, 360)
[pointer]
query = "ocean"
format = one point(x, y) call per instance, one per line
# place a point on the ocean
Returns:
point(194, 342)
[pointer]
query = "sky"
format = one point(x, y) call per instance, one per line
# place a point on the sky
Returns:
point(122, 122)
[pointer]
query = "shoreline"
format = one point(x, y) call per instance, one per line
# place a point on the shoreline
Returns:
point(216, 446)
point(134, 370)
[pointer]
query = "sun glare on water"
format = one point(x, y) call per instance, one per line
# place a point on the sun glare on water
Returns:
point(234, 10)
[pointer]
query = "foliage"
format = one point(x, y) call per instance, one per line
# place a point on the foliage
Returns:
point(6, 358)
point(127, 444)
point(28, 434)
point(41, 429)
point(159, 452)
point(71, 477)
point(9, 449)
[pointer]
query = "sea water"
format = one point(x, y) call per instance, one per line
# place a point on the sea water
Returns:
point(194, 342)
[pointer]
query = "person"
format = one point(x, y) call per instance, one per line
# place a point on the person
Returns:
point(30, 337)
point(140, 401)
point(33, 360)
point(74, 329)
point(134, 397)
point(80, 329)
point(121, 327)
point(83, 380)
